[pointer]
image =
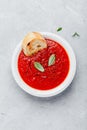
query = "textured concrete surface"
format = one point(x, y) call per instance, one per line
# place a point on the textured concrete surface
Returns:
point(20, 111)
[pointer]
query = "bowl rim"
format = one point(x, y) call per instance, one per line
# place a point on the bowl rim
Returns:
point(56, 90)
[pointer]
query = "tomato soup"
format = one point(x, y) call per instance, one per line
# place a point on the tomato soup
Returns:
point(53, 75)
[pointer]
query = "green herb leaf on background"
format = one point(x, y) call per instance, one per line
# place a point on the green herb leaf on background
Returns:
point(59, 29)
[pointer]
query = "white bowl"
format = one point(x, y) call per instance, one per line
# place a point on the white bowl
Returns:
point(62, 86)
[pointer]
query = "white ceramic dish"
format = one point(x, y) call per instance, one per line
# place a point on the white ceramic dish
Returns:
point(56, 90)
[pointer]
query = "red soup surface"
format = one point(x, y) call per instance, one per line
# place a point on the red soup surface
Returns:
point(53, 75)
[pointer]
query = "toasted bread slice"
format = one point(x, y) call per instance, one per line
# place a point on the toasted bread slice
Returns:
point(32, 43)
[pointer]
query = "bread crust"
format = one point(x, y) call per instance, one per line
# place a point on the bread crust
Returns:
point(32, 43)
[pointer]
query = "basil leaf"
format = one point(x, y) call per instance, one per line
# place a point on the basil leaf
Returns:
point(38, 66)
point(51, 60)
point(75, 34)
point(59, 29)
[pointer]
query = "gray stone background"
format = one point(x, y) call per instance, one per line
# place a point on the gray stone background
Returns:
point(20, 111)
